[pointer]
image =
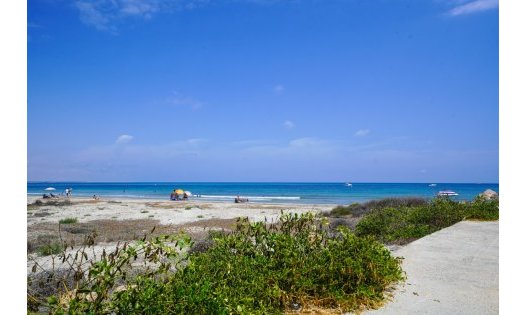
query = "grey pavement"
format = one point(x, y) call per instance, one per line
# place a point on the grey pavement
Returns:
point(452, 271)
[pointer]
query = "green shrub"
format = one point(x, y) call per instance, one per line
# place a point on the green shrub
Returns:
point(357, 209)
point(53, 248)
point(341, 211)
point(406, 223)
point(482, 209)
point(68, 221)
point(256, 269)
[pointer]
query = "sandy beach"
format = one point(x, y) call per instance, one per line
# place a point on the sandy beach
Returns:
point(165, 211)
point(130, 219)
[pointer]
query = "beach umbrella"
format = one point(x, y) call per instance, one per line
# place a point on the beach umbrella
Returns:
point(188, 193)
point(179, 191)
point(49, 189)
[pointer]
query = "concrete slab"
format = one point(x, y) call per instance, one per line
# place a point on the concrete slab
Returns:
point(452, 271)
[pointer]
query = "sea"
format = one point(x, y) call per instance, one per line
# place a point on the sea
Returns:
point(297, 193)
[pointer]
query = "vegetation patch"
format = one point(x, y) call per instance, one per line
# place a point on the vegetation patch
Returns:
point(68, 221)
point(161, 205)
point(42, 214)
point(293, 265)
point(359, 209)
point(44, 244)
point(56, 203)
point(403, 224)
point(54, 248)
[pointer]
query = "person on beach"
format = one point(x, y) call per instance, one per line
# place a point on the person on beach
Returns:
point(174, 195)
point(239, 199)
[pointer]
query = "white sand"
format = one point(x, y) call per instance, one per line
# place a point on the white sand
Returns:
point(166, 211)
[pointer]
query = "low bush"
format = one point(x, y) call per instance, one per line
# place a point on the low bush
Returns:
point(406, 223)
point(359, 209)
point(68, 221)
point(44, 244)
point(255, 269)
point(53, 248)
point(482, 209)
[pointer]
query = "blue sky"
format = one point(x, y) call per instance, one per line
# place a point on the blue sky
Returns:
point(248, 90)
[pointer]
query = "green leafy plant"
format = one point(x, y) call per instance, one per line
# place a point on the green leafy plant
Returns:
point(296, 263)
point(406, 223)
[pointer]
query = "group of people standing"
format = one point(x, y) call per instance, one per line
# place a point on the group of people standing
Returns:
point(178, 194)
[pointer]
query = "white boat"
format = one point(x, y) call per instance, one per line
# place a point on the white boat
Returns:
point(447, 193)
point(348, 184)
point(432, 185)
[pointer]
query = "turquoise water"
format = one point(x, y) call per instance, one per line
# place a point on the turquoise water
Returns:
point(313, 193)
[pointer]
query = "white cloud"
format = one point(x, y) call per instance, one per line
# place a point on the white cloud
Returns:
point(93, 13)
point(362, 132)
point(474, 6)
point(124, 139)
point(288, 124)
point(182, 100)
point(106, 15)
point(279, 89)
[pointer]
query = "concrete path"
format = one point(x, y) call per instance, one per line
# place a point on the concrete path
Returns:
point(452, 271)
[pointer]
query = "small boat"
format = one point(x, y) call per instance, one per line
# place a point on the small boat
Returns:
point(348, 184)
point(432, 185)
point(447, 193)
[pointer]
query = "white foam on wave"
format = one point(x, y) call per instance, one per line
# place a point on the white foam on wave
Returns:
point(252, 197)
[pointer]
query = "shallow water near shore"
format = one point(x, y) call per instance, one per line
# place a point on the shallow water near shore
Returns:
point(303, 193)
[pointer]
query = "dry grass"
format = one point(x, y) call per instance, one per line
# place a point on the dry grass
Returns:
point(176, 205)
point(108, 231)
point(161, 205)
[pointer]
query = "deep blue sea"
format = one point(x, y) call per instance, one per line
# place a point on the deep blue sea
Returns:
point(313, 193)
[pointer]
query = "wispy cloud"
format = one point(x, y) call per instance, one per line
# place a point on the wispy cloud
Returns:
point(105, 15)
point(124, 139)
point(288, 124)
point(474, 6)
point(97, 14)
point(33, 25)
point(177, 99)
point(279, 89)
point(362, 132)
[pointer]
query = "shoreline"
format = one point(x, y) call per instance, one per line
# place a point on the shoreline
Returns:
point(32, 197)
